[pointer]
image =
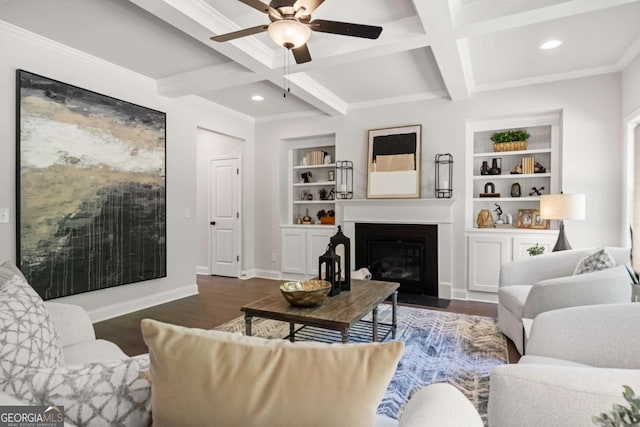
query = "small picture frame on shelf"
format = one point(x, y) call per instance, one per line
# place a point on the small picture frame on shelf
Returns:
point(331, 175)
point(526, 218)
point(539, 222)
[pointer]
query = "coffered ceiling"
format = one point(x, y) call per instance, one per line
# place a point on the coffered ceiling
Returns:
point(428, 49)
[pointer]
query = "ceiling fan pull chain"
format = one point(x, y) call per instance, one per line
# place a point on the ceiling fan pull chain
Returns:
point(284, 73)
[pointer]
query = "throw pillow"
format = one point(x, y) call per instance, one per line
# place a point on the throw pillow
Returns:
point(97, 394)
point(28, 337)
point(597, 260)
point(216, 378)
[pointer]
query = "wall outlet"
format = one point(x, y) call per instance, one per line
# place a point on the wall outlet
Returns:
point(273, 257)
point(4, 215)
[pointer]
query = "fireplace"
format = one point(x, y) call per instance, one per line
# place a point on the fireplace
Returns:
point(403, 253)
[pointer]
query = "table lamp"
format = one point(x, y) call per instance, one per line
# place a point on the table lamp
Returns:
point(562, 206)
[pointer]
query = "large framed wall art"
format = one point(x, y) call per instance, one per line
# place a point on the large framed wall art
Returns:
point(394, 163)
point(90, 188)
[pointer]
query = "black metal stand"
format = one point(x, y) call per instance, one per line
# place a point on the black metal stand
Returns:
point(562, 244)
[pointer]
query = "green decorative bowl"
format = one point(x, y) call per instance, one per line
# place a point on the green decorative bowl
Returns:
point(309, 293)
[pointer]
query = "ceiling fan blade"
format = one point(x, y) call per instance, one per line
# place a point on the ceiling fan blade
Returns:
point(301, 54)
point(309, 5)
point(257, 5)
point(240, 33)
point(345, 28)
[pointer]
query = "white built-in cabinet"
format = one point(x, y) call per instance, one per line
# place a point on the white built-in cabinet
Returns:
point(489, 248)
point(302, 244)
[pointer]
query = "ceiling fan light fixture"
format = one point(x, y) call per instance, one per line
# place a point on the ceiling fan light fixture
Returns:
point(550, 44)
point(289, 33)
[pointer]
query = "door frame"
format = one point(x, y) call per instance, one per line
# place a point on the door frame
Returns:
point(631, 121)
point(238, 237)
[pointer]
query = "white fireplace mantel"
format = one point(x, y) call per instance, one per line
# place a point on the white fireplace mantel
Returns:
point(406, 211)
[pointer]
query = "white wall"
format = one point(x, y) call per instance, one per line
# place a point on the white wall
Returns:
point(592, 151)
point(631, 87)
point(22, 50)
point(211, 145)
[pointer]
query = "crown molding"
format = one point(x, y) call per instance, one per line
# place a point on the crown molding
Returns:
point(589, 72)
point(629, 55)
point(10, 30)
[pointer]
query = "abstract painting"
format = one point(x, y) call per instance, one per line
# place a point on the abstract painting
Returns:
point(394, 163)
point(90, 189)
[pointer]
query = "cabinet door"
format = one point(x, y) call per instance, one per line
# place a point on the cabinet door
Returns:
point(293, 250)
point(487, 253)
point(317, 241)
point(522, 243)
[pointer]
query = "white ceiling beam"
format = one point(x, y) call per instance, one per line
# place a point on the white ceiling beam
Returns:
point(206, 80)
point(200, 21)
point(472, 23)
point(436, 19)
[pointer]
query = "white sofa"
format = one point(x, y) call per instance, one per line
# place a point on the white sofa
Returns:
point(546, 282)
point(577, 361)
point(436, 405)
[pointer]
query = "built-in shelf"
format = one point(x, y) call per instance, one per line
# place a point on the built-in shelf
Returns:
point(513, 176)
point(331, 165)
point(313, 202)
point(507, 199)
point(513, 153)
point(314, 184)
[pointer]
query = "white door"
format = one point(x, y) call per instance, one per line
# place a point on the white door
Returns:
point(224, 214)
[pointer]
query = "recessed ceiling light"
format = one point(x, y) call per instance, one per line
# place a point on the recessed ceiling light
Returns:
point(551, 44)
point(257, 98)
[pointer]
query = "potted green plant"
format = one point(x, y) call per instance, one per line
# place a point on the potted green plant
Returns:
point(510, 140)
point(535, 250)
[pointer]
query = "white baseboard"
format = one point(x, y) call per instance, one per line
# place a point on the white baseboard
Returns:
point(459, 294)
point(247, 274)
point(202, 270)
point(444, 290)
point(125, 307)
point(268, 274)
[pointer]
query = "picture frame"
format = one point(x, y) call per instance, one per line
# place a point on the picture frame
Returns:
point(394, 162)
point(539, 222)
point(526, 218)
point(90, 188)
point(331, 175)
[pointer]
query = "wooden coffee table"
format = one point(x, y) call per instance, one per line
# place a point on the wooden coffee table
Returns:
point(338, 313)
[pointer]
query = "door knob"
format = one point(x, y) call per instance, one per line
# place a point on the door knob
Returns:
point(213, 223)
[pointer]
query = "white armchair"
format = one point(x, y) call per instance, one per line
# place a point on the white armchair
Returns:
point(546, 282)
point(577, 361)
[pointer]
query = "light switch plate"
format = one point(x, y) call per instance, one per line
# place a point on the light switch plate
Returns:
point(4, 215)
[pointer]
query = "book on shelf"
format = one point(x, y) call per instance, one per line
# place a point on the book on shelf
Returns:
point(315, 158)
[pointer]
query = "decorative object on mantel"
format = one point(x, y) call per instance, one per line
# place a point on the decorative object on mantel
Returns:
point(515, 190)
point(444, 176)
point(331, 263)
point(83, 193)
point(344, 182)
point(489, 190)
point(394, 163)
point(510, 140)
point(562, 206)
point(485, 219)
point(342, 245)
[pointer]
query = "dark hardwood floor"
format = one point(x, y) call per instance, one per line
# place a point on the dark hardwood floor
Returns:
point(219, 301)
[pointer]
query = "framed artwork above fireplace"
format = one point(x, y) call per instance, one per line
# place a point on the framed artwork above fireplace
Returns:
point(394, 163)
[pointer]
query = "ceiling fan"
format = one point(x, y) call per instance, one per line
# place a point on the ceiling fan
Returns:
point(291, 26)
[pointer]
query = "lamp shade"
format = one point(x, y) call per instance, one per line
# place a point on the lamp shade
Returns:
point(289, 33)
point(562, 206)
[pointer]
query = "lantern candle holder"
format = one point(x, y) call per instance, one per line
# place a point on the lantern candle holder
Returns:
point(331, 263)
point(344, 179)
point(444, 176)
point(342, 245)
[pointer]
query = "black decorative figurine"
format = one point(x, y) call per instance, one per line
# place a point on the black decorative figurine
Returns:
point(331, 263)
point(340, 239)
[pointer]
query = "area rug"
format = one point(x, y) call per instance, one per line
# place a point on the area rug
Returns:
point(439, 347)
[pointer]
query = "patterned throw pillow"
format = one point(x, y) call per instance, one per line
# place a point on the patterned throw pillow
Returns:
point(97, 394)
point(600, 259)
point(28, 337)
